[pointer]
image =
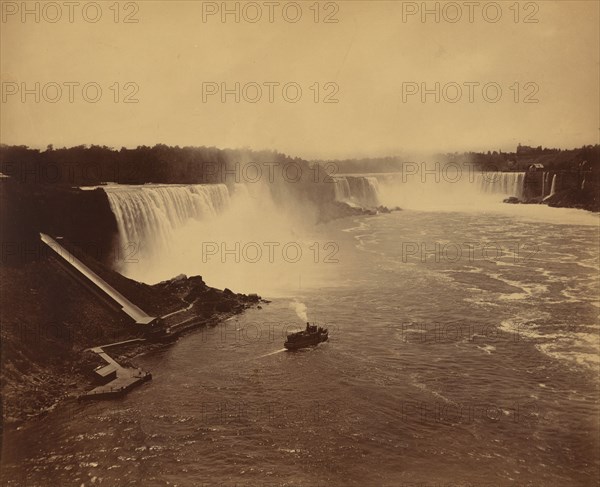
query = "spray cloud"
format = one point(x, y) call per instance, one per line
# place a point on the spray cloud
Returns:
point(300, 309)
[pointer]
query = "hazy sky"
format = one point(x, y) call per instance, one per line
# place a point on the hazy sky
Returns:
point(366, 56)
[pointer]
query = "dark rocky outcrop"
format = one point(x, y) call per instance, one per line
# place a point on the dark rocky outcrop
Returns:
point(575, 198)
point(573, 189)
point(82, 217)
point(338, 209)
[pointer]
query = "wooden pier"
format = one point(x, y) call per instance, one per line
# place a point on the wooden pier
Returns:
point(126, 378)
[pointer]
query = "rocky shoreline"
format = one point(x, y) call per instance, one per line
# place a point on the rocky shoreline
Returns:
point(45, 356)
point(570, 198)
point(62, 389)
point(55, 388)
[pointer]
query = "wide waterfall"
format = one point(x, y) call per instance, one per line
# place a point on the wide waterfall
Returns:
point(504, 183)
point(357, 190)
point(148, 215)
point(233, 236)
point(449, 189)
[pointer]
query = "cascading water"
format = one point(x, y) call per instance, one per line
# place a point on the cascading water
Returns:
point(341, 188)
point(449, 189)
point(504, 183)
point(553, 187)
point(232, 236)
point(148, 215)
point(544, 184)
point(357, 190)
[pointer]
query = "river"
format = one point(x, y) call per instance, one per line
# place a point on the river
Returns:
point(463, 349)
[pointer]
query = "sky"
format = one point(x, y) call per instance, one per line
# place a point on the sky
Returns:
point(350, 88)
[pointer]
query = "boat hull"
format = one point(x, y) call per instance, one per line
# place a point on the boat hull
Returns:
point(311, 342)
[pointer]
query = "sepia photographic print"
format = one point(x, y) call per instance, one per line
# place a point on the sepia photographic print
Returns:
point(300, 243)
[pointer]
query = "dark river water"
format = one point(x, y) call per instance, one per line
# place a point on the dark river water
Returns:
point(471, 363)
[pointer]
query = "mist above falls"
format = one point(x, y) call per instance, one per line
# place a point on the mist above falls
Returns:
point(266, 236)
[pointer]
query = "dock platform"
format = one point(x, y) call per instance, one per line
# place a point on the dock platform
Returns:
point(126, 378)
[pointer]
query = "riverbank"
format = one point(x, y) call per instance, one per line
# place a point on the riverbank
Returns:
point(571, 198)
point(49, 321)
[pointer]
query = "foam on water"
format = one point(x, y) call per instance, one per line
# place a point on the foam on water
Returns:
point(379, 390)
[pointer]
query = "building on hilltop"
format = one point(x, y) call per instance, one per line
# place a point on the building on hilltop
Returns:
point(536, 167)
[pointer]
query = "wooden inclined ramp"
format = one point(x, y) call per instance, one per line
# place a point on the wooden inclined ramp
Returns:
point(136, 314)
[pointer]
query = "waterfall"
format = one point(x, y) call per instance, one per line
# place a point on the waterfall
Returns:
point(544, 174)
point(553, 187)
point(546, 184)
point(357, 190)
point(233, 236)
point(504, 183)
point(148, 215)
point(341, 188)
